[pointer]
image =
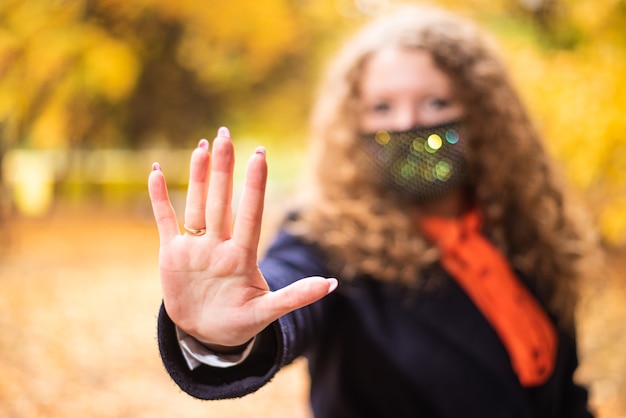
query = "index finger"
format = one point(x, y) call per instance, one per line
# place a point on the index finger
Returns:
point(247, 228)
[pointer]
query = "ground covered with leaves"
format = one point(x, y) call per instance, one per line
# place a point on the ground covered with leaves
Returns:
point(79, 294)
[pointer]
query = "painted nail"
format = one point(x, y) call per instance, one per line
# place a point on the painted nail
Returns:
point(156, 166)
point(260, 150)
point(333, 285)
point(204, 144)
point(223, 131)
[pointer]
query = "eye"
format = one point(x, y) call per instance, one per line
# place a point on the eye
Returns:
point(381, 107)
point(438, 103)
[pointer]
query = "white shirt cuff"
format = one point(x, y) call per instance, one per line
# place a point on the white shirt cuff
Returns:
point(196, 353)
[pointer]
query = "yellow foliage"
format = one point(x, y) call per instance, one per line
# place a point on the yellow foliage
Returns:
point(110, 66)
point(50, 129)
point(612, 221)
point(578, 98)
point(590, 15)
point(228, 39)
point(53, 61)
point(60, 59)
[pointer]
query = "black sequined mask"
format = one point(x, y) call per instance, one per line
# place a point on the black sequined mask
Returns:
point(421, 164)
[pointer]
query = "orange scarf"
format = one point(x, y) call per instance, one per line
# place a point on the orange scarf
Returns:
point(487, 278)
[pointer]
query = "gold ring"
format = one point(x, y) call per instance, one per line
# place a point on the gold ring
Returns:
point(195, 232)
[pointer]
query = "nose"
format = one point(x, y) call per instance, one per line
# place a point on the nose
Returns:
point(405, 117)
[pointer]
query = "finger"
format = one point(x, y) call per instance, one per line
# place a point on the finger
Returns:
point(298, 294)
point(197, 188)
point(163, 211)
point(218, 214)
point(247, 228)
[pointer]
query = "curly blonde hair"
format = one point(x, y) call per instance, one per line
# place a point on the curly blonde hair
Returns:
point(514, 184)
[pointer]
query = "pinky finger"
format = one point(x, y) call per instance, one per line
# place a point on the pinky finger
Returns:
point(163, 211)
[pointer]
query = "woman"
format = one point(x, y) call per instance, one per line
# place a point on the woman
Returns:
point(433, 201)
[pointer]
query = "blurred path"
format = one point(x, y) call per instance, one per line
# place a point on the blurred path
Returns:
point(79, 294)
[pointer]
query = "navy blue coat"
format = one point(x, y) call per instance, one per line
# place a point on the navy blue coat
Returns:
point(379, 350)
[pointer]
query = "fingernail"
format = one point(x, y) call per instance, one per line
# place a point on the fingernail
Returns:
point(333, 284)
point(224, 132)
point(156, 166)
point(204, 144)
point(260, 150)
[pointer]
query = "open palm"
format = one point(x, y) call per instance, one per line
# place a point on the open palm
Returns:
point(212, 286)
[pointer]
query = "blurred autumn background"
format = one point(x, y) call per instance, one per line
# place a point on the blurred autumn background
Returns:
point(93, 91)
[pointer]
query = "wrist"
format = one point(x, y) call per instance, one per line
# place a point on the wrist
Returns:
point(225, 349)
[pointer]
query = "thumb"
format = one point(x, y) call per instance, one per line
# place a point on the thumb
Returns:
point(298, 294)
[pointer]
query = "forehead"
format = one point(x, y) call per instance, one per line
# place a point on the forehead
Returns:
point(397, 69)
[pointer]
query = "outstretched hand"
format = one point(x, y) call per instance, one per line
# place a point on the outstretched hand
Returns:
point(212, 286)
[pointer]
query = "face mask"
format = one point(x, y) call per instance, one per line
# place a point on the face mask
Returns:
point(421, 164)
